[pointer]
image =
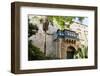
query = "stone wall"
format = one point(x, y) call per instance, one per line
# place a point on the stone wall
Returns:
point(39, 39)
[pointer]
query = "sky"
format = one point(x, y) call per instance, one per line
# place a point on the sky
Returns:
point(85, 21)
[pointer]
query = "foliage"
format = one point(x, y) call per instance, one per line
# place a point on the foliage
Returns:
point(60, 21)
point(32, 29)
point(81, 53)
point(63, 21)
point(85, 52)
point(34, 53)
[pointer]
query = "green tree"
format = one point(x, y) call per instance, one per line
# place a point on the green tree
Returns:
point(81, 53)
point(32, 29)
point(34, 53)
point(63, 21)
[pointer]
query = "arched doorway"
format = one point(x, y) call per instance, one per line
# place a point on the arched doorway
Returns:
point(70, 52)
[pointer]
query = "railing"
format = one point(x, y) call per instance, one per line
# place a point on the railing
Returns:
point(67, 34)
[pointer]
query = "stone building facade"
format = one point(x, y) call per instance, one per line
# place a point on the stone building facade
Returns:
point(82, 30)
point(67, 44)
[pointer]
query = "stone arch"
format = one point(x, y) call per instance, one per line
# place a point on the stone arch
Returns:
point(70, 52)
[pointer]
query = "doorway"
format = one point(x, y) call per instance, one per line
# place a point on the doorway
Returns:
point(70, 52)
